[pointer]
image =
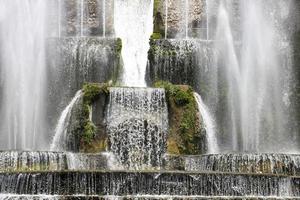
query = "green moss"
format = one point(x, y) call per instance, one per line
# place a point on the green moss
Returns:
point(91, 91)
point(184, 133)
point(156, 36)
point(156, 6)
point(88, 132)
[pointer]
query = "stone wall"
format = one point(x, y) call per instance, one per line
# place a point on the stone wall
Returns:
point(176, 18)
point(91, 23)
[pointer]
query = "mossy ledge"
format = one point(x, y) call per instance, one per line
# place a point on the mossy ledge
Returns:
point(185, 131)
point(91, 141)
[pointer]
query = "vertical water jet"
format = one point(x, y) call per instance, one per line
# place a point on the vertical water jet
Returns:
point(134, 25)
point(23, 74)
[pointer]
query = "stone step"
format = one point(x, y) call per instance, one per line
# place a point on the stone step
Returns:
point(288, 164)
point(30, 161)
point(285, 164)
point(149, 183)
point(136, 197)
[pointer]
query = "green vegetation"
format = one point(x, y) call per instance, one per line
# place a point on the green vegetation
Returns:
point(89, 139)
point(185, 131)
point(156, 36)
point(92, 91)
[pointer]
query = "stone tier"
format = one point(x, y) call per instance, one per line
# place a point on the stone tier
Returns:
point(130, 197)
point(122, 183)
point(284, 164)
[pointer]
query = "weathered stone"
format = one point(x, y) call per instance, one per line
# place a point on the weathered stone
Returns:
point(95, 16)
point(176, 18)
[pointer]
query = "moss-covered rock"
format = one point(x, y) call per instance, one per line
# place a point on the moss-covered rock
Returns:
point(92, 137)
point(185, 133)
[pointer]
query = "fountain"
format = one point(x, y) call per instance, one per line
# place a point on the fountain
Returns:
point(91, 110)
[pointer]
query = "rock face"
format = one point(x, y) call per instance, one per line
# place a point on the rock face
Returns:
point(181, 18)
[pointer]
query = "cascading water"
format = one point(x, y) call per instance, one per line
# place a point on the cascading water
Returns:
point(252, 51)
point(60, 137)
point(208, 122)
point(22, 65)
point(137, 124)
point(134, 25)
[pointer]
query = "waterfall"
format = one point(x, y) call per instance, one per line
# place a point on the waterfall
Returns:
point(137, 123)
point(59, 139)
point(22, 80)
point(134, 25)
point(209, 125)
point(252, 50)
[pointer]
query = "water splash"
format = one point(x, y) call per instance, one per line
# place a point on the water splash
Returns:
point(134, 25)
point(209, 125)
point(59, 139)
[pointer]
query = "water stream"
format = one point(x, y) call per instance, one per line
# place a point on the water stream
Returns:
point(60, 137)
point(134, 25)
point(209, 125)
